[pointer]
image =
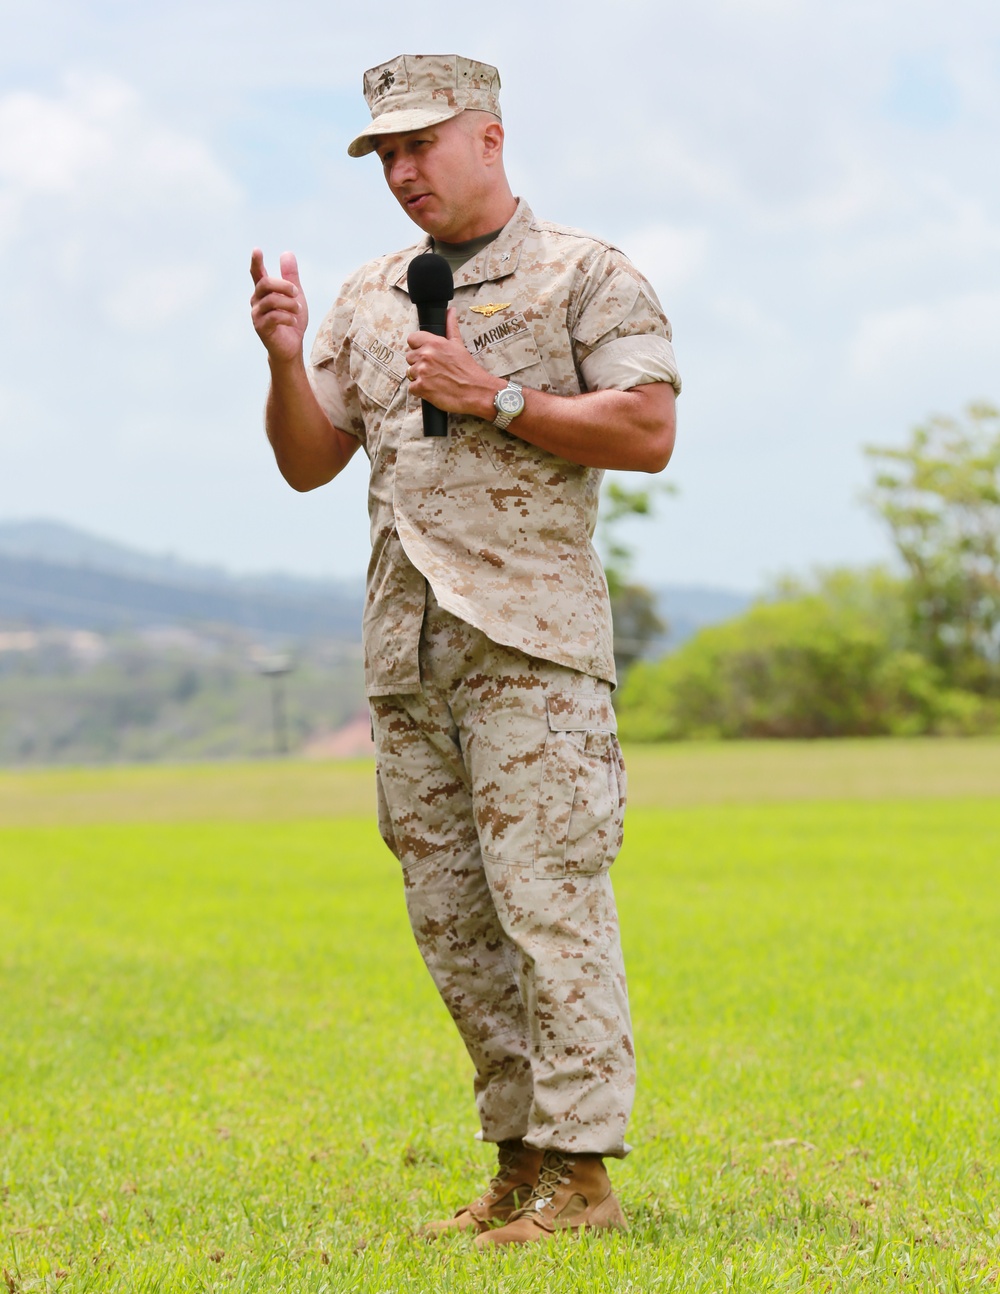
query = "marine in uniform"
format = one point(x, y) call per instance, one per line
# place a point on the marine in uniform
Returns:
point(487, 625)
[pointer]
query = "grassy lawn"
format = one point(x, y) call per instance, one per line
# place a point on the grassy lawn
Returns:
point(223, 1067)
point(677, 776)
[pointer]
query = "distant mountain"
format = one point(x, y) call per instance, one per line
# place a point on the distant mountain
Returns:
point(688, 608)
point(55, 574)
point(63, 545)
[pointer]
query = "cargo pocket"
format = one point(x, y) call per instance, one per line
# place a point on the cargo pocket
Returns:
point(384, 820)
point(581, 804)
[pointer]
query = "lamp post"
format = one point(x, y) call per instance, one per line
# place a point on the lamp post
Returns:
point(275, 668)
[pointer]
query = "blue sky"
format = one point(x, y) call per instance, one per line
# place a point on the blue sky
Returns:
point(812, 189)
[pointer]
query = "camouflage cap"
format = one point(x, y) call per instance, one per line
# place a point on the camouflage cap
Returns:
point(412, 91)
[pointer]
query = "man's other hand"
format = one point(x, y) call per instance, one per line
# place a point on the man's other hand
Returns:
point(278, 307)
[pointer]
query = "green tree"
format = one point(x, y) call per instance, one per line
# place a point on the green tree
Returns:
point(633, 606)
point(940, 496)
point(827, 660)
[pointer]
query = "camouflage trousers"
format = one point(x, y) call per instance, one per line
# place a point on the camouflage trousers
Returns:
point(501, 790)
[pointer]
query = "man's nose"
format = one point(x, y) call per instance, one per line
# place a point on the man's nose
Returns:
point(401, 171)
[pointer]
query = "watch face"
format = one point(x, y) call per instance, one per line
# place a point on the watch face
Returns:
point(509, 401)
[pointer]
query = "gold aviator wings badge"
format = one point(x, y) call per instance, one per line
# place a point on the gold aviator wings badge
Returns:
point(490, 310)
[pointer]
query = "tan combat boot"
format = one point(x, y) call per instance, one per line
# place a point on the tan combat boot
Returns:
point(517, 1172)
point(573, 1194)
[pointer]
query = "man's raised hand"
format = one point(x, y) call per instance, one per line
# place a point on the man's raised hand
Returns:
point(278, 307)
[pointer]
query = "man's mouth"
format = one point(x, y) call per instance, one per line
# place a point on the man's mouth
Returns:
point(416, 201)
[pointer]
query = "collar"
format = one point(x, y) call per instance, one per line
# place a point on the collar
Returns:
point(496, 260)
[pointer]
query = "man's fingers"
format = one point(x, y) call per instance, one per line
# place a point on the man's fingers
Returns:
point(278, 300)
point(451, 328)
point(277, 307)
point(415, 340)
point(290, 268)
point(288, 283)
point(277, 319)
point(278, 289)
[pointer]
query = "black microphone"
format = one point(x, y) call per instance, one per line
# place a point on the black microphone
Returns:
point(431, 286)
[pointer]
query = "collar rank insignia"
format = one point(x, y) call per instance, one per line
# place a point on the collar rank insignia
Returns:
point(490, 310)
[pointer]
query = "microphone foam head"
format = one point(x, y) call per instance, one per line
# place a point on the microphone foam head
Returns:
point(429, 280)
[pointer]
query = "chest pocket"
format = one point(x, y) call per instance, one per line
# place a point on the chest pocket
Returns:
point(376, 368)
point(506, 347)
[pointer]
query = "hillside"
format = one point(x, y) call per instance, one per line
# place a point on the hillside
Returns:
point(109, 654)
point(52, 574)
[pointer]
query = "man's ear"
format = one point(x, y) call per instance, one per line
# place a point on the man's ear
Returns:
point(492, 138)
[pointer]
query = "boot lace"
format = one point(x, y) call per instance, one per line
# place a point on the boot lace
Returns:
point(553, 1173)
point(506, 1159)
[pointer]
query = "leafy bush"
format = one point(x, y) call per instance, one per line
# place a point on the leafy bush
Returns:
point(833, 660)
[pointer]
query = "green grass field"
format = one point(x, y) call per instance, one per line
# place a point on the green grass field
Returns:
point(223, 1067)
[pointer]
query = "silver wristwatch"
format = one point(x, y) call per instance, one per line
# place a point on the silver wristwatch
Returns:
point(508, 403)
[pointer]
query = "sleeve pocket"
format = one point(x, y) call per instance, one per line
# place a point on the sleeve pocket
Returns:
point(607, 309)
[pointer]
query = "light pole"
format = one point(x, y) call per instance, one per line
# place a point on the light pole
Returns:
point(275, 668)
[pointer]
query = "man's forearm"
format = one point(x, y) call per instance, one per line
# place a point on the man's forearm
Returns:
point(622, 430)
point(308, 449)
point(625, 430)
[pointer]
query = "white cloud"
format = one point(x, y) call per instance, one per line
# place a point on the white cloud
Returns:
point(95, 148)
point(855, 188)
point(686, 168)
point(744, 316)
point(889, 338)
point(901, 344)
point(764, 8)
point(670, 256)
point(49, 146)
point(151, 296)
point(111, 216)
point(931, 254)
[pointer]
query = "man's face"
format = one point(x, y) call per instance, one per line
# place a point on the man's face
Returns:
point(440, 179)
